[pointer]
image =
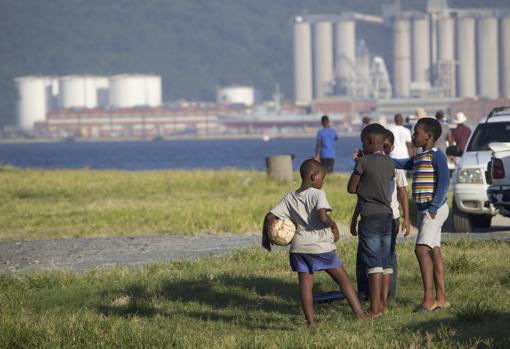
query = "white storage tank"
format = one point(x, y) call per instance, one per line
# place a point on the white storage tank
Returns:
point(128, 91)
point(32, 104)
point(102, 91)
point(77, 91)
point(153, 85)
point(236, 95)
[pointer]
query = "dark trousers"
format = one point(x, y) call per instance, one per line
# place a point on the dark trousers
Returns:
point(361, 267)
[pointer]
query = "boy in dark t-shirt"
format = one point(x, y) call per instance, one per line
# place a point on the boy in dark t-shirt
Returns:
point(372, 173)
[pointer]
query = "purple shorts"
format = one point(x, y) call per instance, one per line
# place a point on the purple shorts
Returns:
point(309, 263)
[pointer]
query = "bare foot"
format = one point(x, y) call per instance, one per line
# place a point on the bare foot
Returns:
point(443, 304)
point(368, 315)
point(312, 324)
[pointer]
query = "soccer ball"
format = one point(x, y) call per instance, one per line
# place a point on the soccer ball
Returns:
point(281, 231)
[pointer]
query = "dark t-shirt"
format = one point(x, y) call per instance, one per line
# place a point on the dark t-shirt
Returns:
point(376, 171)
point(461, 134)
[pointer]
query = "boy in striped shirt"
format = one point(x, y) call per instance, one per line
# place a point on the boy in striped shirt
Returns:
point(430, 189)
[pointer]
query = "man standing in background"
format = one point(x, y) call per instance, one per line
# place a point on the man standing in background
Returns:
point(403, 144)
point(325, 148)
point(445, 131)
point(461, 133)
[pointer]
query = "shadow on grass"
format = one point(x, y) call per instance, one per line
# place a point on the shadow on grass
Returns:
point(240, 292)
point(234, 298)
point(473, 325)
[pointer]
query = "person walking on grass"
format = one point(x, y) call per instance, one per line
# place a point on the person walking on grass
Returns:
point(313, 247)
point(397, 190)
point(370, 179)
point(325, 146)
point(430, 189)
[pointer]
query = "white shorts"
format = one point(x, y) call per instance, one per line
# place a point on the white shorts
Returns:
point(429, 230)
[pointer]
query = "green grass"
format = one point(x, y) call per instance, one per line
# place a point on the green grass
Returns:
point(74, 203)
point(248, 299)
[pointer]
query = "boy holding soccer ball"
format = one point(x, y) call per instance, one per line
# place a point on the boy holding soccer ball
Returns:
point(313, 246)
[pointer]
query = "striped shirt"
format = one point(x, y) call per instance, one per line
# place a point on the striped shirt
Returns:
point(430, 178)
point(424, 178)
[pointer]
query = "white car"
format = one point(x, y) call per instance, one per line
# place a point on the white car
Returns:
point(471, 205)
point(499, 175)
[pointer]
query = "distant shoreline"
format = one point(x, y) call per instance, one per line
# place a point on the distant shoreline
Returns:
point(165, 139)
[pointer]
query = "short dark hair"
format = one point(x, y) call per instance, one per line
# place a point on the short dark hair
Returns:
point(431, 125)
point(389, 136)
point(309, 167)
point(439, 115)
point(373, 129)
point(324, 119)
point(366, 120)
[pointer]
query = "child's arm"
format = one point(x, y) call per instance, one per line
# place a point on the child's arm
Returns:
point(354, 219)
point(326, 220)
point(402, 194)
point(352, 186)
point(440, 165)
point(404, 164)
point(265, 228)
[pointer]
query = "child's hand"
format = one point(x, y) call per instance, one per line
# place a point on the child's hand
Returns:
point(354, 232)
point(406, 227)
point(357, 154)
point(336, 233)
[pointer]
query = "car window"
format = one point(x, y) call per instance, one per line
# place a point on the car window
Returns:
point(488, 133)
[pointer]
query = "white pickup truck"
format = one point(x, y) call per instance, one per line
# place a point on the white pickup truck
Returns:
point(499, 176)
point(471, 205)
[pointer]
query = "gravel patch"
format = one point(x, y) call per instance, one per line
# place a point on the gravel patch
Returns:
point(79, 254)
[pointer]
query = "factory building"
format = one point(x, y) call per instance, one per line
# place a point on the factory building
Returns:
point(441, 53)
point(40, 95)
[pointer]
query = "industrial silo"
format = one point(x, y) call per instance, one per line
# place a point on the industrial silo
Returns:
point(488, 82)
point(446, 54)
point(236, 95)
point(303, 90)
point(127, 91)
point(446, 37)
point(401, 56)
point(102, 85)
point(345, 55)
point(466, 56)
point(78, 91)
point(421, 49)
point(505, 56)
point(153, 85)
point(323, 58)
point(32, 100)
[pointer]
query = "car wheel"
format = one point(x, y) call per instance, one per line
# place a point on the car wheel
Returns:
point(461, 221)
point(481, 220)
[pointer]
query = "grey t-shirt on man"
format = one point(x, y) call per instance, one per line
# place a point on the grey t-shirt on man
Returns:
point(376, 171)
point(312, 236)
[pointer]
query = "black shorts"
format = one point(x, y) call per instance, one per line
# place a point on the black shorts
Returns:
point(328, 164)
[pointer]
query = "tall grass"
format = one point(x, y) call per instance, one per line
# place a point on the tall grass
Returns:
point(249, 299)
point(73, 203)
